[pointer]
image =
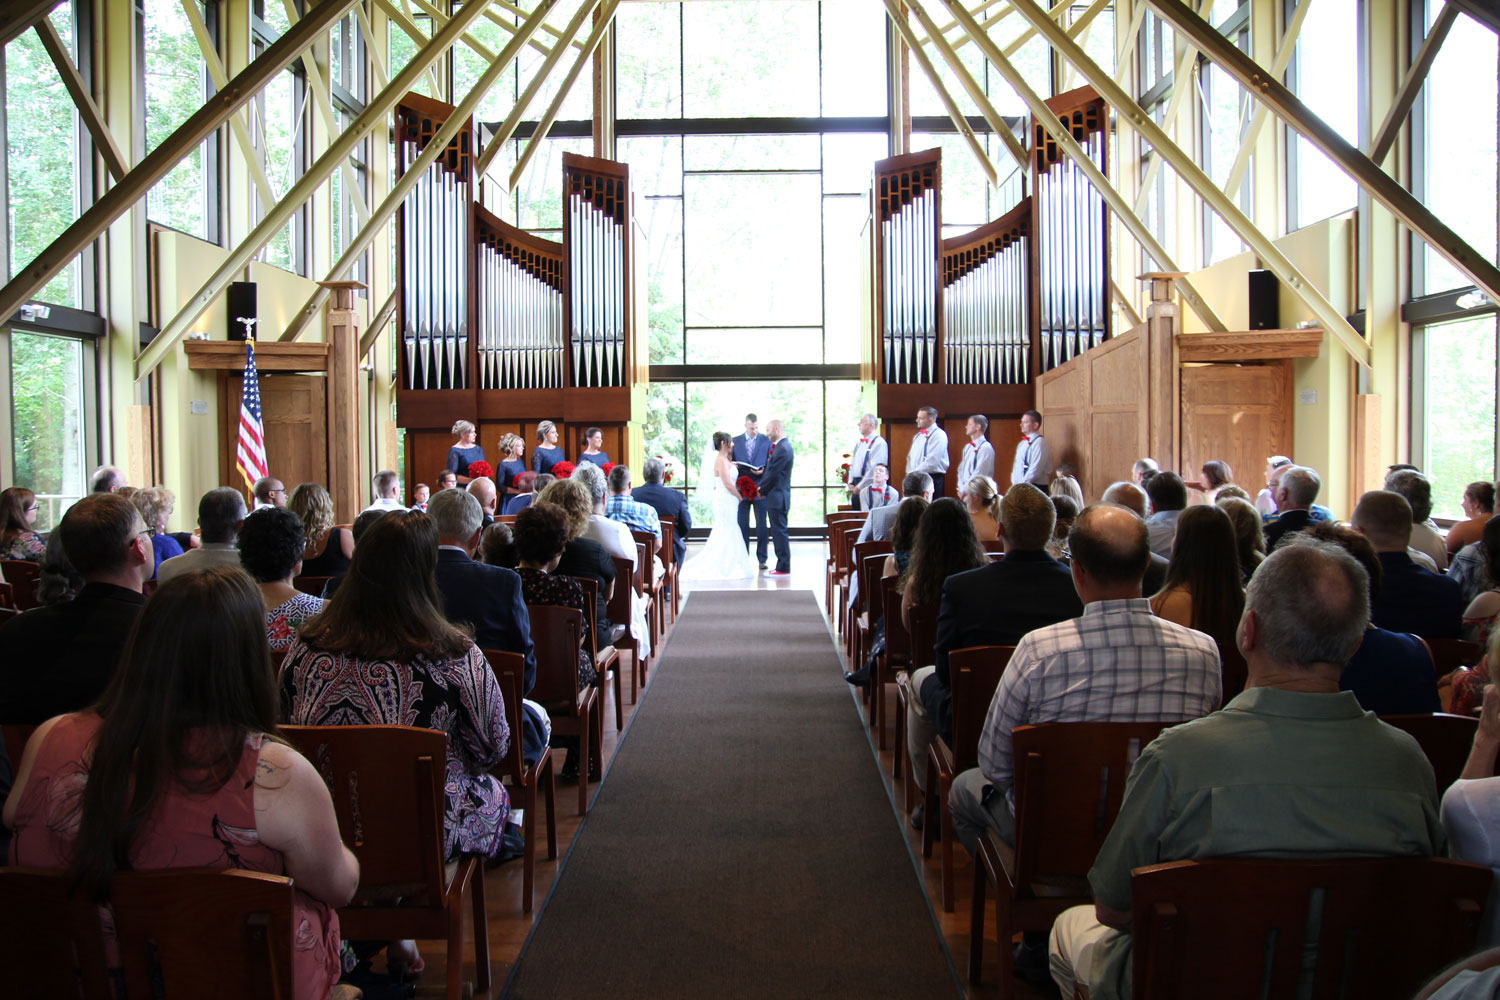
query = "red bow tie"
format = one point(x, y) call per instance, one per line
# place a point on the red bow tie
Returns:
point(864, 440)
point(923, 433)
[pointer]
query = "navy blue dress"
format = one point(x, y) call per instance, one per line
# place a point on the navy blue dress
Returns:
point(543, 459)
point(459, 458)
point(506, 473)
point(601, 459)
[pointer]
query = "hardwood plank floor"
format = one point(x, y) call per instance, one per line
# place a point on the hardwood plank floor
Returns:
point(509, 928)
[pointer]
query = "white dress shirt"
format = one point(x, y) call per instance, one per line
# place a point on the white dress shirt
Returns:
point(1033, 462)
point(929, 452)
point(977, 460)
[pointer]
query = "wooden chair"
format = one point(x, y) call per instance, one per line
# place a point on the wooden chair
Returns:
point(23, 578)
point(1384, 925)
point(669, 562)
point(897, 645)
point(395, 830)
point(973, 675)
point(7, 596)
point(16, 736)
point(1447, 654)
point(842, 571)
point(523, 778)
point(1070, 777)
point(1444, 738)
point(919, 638)
point(618, 610)
point(868, 561)
point(834, 525)
point(606, 658)
point(189, 932)
point(557, 634)
point(311, 584)
point(645, 561)
point(505, 518)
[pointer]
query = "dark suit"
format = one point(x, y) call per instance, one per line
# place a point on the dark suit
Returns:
point(776, 486)
point(1416, 600)
point(753, 455)
point(60, 658)
point(1288, 523)
point(668, 502)
point(995, 605)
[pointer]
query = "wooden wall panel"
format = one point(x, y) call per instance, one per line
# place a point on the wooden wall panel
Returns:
point(1237, 414)
point(294, 412)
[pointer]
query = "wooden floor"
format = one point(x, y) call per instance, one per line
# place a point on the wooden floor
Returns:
point(509, 928)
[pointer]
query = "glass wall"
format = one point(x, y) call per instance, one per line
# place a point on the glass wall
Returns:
point(53, 393)
point(1325, 73)
point(176, 83)
point(1458, 408)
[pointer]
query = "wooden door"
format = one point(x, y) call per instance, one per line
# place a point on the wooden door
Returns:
point(1238, 414)
point(294, 411)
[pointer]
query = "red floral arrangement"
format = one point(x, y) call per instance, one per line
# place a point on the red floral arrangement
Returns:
point(747, 487)
point(841, 473)
point(606, 467)
point(481, 470)
point(562, 470)
point(667, 468)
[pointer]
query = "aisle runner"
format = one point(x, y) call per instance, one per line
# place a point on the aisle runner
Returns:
point(743, 845)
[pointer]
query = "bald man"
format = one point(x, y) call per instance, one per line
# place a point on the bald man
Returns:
point(483, 490)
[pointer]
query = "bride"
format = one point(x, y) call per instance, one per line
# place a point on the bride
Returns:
point(724, 557)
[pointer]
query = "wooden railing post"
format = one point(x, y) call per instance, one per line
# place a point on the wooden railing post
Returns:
point(1163, 386)
point(345, 477)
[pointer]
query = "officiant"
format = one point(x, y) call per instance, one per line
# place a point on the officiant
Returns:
point(749, 452)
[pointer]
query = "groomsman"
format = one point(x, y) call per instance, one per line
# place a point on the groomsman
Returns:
point(879, 493)
point(752, 448)
point(1033, 462)
point(979, 455)
point(869, 451)
point(929, 449)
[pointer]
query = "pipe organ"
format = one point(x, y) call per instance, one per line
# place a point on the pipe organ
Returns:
point(907, 243)
point(1073, 231)
point(986, 275)
point(504, 328)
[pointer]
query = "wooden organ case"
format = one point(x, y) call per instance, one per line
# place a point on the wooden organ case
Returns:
point(968, 323)
point(507, 329)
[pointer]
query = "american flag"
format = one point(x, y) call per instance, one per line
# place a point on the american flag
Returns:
point(250, 456)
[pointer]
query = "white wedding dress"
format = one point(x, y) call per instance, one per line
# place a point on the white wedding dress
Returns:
point(724, 556)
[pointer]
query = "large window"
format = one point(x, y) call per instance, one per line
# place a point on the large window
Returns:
point(177, 82)
point(1223, 117)
point(1325, 73)
point(279, 116)
point(1457, 411)
point(348, 82)
point(51, 406)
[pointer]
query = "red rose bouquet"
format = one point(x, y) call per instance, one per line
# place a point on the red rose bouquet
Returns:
point(747, 487)
point(606, 467)
point(841, 472)
point(562, 470)
point(668, 469)
point(481, 470)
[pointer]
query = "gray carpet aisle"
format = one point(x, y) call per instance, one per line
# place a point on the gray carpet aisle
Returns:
point(743, 844)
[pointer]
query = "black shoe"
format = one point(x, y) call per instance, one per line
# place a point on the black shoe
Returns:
point(918, 815)
point(762, 565)
point(859, 678)
point(1029, 962)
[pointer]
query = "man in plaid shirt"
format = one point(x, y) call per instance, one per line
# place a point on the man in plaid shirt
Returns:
point(621, 506)
point(1116, 663)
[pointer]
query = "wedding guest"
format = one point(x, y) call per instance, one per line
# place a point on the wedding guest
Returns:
point(1265, 500)
point(59, 582)
point(483, 490)
point(1250, 540)
point(1203, 589)
point(583, 556)
point(1066, 511)
point(1169, 498)
point(446, 480)
point(541, 534)
point(618, 543)
point(929, 449)
point(511, 465)
point(527, 485)
point(420, 494)
point(879, 493)
point(1480, 615)
point(220, 514)
point(1133, 498)
point(546, 454)
point(1216, 476)
point(106, 479)
point(1471, 814)
point(903, 534)
point(156, 504)
point(1425, 537)
point(465, 452)
point(1412, 599)
point(593, 447)
point(1478, 504)
point(268, 492)
point(387, 487)
point(362, 523)
point(170, 772)
point(667, 502)
point(497, 545)
point(1067, 486)
point(1033, 461)
point(982, 500)
point(1143, 468)
point(868, 452)
point(326, 547)
point(620, 505)
point(270, 544)
point(978, 458)
point(945, 544)
point(1295, 490)
point(1234, 490)
point(18, 509)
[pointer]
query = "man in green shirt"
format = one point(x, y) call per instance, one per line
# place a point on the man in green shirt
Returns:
point(1291, 768)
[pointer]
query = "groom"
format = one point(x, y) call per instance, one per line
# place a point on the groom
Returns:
point(776, 487)
point(751, 449)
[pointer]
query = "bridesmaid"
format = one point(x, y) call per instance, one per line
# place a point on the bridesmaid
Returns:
point(464, 452)
point(593, 439)
point(511, 465)
point(546, 454)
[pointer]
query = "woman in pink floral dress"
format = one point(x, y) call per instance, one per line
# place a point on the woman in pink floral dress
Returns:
point(271, 542)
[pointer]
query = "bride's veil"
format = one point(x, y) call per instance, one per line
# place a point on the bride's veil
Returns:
point(706, 474)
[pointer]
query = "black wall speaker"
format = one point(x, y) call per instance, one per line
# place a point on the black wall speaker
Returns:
point(1265, 301)
point(240, 301)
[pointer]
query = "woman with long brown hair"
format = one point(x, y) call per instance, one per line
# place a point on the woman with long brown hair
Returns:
point(1202, 589)
point(945, 544)
point(179, 765)
point(17, 514)
point(381, 653)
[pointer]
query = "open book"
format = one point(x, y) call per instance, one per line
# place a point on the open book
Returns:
point(754, 470)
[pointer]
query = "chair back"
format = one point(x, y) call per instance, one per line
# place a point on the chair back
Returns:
point(556, 633)
point(23, 578)
point(198, 932)
point(1070, 777)
point(16, 736)
point(973, 675)
point(395, 827)
point(1444, 738)
point(590, 588)
point(845, 560)
point(645, 558)
point(505, 518)
point(7, 596)
point(668, 542)
point(922, 628)
point(57, 932)
point(6, 614)
point(1447, 654)
point(1383, 926)
point(897, 639)
point(863, 555)
point(618, 607)
point(311, 584)
point(510, 673)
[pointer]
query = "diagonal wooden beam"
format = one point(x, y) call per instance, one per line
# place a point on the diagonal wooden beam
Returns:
point(377, 326)
point(1367, 174)
point(1180, 90)
point(436, 146)
point(1080, 29)
point(114, 160)
point(955, 113)
point(976, 11)
point(508, 127)
point(601, 27)
point(375, 51)
point(16, 17)
point(971, 85)
point(325, 111)
point(512, 8)
point(1412, 85)
point(401, 17)
point(1127, 46)
point(134, 185)
point(1064, 137)
point(373, 117)
point(1279, 63)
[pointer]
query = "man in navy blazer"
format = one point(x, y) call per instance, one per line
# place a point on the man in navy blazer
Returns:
point(487, 598)
point(776, 486)
point(667, 503)
point(752, 449)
